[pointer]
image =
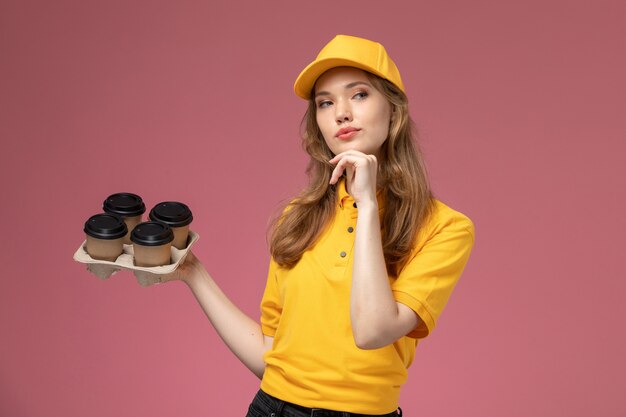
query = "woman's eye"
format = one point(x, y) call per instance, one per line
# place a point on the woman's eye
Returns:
point(323, 104)
point(361, 95)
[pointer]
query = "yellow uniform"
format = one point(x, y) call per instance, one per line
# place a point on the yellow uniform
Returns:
point(314, 361)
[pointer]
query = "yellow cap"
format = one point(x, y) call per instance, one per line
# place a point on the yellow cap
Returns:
point(348, 51)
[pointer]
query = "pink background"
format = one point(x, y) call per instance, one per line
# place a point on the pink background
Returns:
point(521, 109)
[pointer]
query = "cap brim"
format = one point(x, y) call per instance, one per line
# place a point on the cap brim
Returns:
point(307, 78)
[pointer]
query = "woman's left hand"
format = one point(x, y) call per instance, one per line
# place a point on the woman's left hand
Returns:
point(361, 171)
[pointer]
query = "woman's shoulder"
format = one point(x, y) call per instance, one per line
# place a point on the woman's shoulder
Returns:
point(445, 218)
point(443, 212)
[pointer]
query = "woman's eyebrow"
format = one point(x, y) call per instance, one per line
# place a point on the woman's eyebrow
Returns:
point(354, 84)
point(349, 85)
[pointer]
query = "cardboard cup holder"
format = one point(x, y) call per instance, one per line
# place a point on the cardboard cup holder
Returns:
point(104, 269)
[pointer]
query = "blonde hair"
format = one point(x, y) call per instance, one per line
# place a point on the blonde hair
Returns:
point(402, 176)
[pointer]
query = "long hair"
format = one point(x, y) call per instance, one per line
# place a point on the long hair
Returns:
point(402, 176)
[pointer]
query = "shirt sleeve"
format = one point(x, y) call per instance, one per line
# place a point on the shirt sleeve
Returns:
point(426, 282)
point(271, 303)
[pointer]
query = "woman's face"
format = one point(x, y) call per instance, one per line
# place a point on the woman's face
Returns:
point(351, 113)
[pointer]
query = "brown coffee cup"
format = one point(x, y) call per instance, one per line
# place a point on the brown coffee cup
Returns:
point(105, 236)
point(152, 242)
point(177, 216)
point(127, 205)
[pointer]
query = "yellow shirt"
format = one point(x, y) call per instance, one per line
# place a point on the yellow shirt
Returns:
point(314, 361)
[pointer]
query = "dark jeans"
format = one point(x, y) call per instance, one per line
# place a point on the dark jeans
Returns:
point(264, 405)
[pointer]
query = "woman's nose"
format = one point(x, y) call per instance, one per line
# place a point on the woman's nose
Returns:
point(343, 113)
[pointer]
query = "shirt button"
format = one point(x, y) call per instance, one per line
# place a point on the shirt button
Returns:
point(350, 229)
point(342, 254)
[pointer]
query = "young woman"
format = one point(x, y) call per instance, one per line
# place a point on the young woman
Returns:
point(363, 261)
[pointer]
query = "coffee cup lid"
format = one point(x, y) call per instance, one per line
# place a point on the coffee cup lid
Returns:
point(172, 213)
point(152, 234)
point(105, 226)
point(124, 204)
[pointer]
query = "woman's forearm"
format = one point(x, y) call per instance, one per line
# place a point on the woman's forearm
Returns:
point(242, 335)
point(377, 319)
point(371, 300)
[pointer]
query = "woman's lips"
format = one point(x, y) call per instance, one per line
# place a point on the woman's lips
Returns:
point(345, 134)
